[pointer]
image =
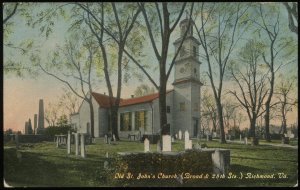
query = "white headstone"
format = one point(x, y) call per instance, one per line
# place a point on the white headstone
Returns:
point(240, 137)
point(166, 143)
point(146, 145)
point(57, 142)
point(172, 139)
point(186, 140)
point(246, 140)
point(82, 146)
point(69, 142)
point(76, 144)
point(180, 135)
point(190, 144)
point(106, 154)
point(105, 139)
point(114, 137)
point(176, 136)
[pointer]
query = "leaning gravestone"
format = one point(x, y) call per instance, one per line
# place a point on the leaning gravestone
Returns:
point(114, 137)
point(146, 145)
point(82, 146)
point(166, 143)
point(180, 135)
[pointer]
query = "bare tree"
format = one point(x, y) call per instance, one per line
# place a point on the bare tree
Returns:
point(286, 103)
point(73, 62)
point(218, 34)
point(251, 83)
point(271, 56)
point(143, 90)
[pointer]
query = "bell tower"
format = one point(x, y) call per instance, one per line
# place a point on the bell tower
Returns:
point(187, 81)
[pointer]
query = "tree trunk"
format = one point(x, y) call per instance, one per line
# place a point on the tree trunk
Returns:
point(267, 124)
point(91, 118)
point(114, 122)
point(221, 122)
point(252, 127)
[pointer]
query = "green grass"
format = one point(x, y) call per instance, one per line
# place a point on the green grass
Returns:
point(45, 165)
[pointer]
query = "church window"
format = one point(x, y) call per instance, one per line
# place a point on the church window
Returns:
point(168, 109)
point(182, 106)
point(140, 120)
point(125, 121)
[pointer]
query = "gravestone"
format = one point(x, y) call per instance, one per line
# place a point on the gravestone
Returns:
point(146, 145)
point(186, 140)
point(221, 161)
point(176, 136)
point(76, 144)
point(246, 140)
point(82, 146)
point(114, 137)
point(57, 142)
point(106, 154)
point(105, 139)
point(69, 142)
point(172, 139)
point(240, 138)
point(166, 143)
point(180, 135)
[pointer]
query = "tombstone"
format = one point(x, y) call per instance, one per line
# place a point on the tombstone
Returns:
point(106, 154)
point(146, 145)
point(180, 135)
point(114, 137)
point(176, 136)
point(221, 161)
point(76, 144)
point(172, 139)
point(246, 140)
point(82, 146)
point(186, 140)
point(69, 142)
point(17, 141)
point(166, 143)
point(105, 139)
point(158, 146)
point(240, 138)
point(108, 140)
point(57, 143)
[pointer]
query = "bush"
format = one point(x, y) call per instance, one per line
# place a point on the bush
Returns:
point(53, 130)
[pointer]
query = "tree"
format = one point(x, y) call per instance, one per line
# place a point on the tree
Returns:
point(251, 83)
point(143, 90)
point(218, 33)
point(286, 103)
point(209, 111)
point(74, 61)
point(124, 17)
point(271, 56)
point(62, 121)
point(292, 9)
point(69, 101)
point(51, 114)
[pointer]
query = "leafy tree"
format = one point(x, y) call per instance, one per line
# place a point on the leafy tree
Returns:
point(62, 120)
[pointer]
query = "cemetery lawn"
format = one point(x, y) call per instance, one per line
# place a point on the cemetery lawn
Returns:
point(42, 165)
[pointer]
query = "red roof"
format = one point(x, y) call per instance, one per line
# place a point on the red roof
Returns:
point(103, 100)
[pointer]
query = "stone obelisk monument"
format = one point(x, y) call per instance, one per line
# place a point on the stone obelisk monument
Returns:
point(40, 128)
point(35, 124)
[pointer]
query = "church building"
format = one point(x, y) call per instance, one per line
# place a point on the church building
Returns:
point(140, 115)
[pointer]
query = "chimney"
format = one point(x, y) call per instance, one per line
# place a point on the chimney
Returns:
point(132, 96)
